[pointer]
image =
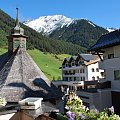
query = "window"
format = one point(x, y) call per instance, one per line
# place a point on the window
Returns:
point(97, 69)
point(83, 78)
point(66, 72)
point(103, 74)
point(72, 64)
point(74, 78)
point(66, 79)
point(117, 74)
point(82, 71)
point(66, 64)
point(93, 78)
point(77, 71)
point(81, 62)
point(70, 79)
point(93, 70)
point(16, 43)
point(70, 72)
point(76, 63)
point(110, 56)
point(23, 44)
point(97, 77)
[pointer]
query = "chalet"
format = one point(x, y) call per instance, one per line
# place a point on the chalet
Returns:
point(78, 71)
point(109, 45)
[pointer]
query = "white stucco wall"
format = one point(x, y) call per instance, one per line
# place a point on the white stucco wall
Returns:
point(95, 73)
point(110, 65)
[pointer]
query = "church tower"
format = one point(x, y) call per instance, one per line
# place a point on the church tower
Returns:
point(16, 39)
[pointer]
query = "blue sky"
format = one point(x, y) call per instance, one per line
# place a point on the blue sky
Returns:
point(105, 13)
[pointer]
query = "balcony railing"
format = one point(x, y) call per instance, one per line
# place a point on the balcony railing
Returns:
point(69, 74)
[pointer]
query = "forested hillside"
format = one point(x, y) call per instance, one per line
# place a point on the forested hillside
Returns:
point(81, 32)
point(36, 40)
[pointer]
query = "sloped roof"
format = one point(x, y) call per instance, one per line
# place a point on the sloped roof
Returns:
point(107, 40)
point(20, 78)
point(74, 57)
point(88, 57)
point(66, 60)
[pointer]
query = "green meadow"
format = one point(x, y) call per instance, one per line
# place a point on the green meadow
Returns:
point(48, 63)
point(2, 50)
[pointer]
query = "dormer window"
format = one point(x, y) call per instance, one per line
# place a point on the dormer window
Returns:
point(110, 56)
point(81, 62)
point(66, 64)
point(72, 64)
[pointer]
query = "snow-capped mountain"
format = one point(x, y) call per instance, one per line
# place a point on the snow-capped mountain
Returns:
point(47, 24)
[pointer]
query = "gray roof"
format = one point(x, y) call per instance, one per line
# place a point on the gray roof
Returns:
point(88, 57)
point(107, 40)
point(74, 57)
point(20, 78)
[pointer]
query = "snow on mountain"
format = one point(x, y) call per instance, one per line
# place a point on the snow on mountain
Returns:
point(92, 24)
point(47, 24)
point(111, 29)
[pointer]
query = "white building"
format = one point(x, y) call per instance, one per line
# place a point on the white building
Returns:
point(83, 67)
point(109, 45)
point(76, 70)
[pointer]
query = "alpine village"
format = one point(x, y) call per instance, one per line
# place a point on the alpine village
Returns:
point(71, 73)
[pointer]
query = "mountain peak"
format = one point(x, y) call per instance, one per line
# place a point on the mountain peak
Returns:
point(47, 24)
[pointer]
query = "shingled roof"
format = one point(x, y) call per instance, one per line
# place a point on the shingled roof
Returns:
point(107, 40)
point(20, 78)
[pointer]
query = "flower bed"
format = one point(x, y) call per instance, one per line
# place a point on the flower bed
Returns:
point(77, 111)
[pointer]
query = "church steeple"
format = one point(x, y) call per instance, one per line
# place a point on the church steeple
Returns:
point(17, 38)
point(17, 19)
point(17, 29)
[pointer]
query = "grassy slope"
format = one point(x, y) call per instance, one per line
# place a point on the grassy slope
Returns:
point(2, 50)
point(48, 63)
